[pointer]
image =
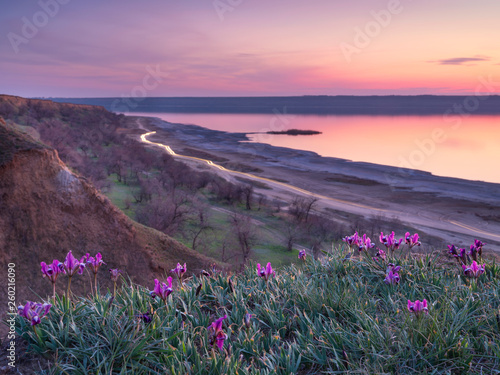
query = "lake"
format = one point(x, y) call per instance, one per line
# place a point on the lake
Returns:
point(452, 146)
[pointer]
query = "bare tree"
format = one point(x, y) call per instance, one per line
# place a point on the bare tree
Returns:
point(319, 230)
point(224, 256)
point(301, 207)
point(203, 222)
point(291, 234)
point(245, 233)
point(167, 213)
point(277, 205)
point(143, 192)
point(261, 202)
point(247, 191)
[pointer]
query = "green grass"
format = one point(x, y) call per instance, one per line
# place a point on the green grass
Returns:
point(276, 254)
point(268, 245)
point(119, 193)
point(322, 317)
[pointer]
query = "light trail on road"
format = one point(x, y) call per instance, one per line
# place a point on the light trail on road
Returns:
point(472, 228)
point(287, 186)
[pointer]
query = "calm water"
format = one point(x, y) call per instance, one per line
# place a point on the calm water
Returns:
point(464, 147)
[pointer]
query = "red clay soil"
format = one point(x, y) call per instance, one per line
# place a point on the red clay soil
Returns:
point(46, 210)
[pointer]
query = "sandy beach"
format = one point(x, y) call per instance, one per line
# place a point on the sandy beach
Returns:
point(454, 210)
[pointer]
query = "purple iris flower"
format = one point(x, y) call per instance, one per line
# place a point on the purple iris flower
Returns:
point(392, 276)
point(452, 249)
point(381, 254)
point(383, 239)
point(365, 243)
point(476, 248)
point(478, 243)
point(302, 255)
point(73, 265)
point(34, 312)
point(352, 240)
point(412, 240)
point(179, 270)
point(479, 246)
point(459, 254)
point(266, 272)
point(418, 307)
point(474, 270)
point(53, 270)
point(114, 274)
point(392, 267)
point(162, 290)
point(389, 241)
point(217, 335)
point(473, 252)
point(146, 318)
point(95, 262)
point(205, 273)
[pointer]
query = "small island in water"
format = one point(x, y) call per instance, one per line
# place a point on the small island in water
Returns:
point(295, 132)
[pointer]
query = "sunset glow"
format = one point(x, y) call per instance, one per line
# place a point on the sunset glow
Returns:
point(99, 49)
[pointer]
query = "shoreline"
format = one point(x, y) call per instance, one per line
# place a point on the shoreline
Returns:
point(395, 176)
point(444, 157)
point(454, 209)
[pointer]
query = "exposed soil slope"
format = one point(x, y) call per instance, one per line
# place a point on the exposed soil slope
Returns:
point(46, 210)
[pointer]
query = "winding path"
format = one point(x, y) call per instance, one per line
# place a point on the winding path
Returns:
point(430, 224)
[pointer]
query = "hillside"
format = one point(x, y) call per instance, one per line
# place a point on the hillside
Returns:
point(46, 210)
point(185, 201)
point(335, 316)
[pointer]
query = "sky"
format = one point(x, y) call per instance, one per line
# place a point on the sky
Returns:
point(112, 48)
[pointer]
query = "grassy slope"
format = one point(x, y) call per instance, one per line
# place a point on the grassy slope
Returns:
point(322, 317)
point(268, 246)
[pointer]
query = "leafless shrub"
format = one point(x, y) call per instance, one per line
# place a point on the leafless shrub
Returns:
point(301, 208)
point(245, 234)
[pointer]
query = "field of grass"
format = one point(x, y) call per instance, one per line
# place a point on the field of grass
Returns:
point(119, 193)
point(268, 245)
point(276, 254)
point(319, 317)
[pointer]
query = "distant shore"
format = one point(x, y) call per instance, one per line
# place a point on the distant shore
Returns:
point(316, 105)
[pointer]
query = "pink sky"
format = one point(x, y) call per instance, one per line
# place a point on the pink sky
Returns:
point(248, 47)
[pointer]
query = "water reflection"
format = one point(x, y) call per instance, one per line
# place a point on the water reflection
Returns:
point(467, 149)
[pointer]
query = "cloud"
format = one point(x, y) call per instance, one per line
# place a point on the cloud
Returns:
point(461, 60)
